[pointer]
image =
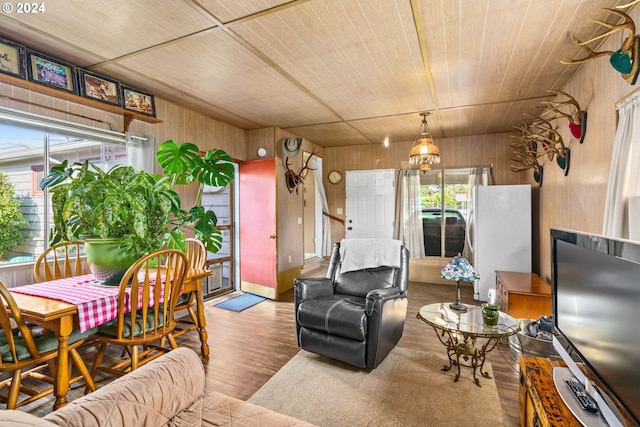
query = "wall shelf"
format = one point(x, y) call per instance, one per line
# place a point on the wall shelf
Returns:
point(128, 116)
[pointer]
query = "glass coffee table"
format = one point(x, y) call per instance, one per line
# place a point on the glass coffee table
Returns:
point(459, 332)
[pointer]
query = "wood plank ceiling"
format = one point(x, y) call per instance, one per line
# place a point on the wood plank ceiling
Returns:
point(337, 72)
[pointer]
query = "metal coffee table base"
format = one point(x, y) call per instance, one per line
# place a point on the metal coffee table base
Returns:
point(459, 332)
point(465, 347)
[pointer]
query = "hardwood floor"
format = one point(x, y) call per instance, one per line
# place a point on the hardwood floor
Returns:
point(249, 347)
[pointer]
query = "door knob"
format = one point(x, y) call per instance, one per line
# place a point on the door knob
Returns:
point(349, 228)
point(272, 236)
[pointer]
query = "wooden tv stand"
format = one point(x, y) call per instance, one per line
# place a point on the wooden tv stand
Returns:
point(539, 402)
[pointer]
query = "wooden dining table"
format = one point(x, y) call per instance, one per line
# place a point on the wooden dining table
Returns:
point(62, 317)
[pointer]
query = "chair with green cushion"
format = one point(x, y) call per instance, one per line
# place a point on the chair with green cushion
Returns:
point(197, 256)
point(151, 307)
point(60, 261)
point(27, 355)
point(66, 259)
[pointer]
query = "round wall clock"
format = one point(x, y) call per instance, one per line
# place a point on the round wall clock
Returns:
point(335, 177)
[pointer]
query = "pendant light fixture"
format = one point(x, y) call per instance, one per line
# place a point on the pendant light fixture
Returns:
point(424, 152)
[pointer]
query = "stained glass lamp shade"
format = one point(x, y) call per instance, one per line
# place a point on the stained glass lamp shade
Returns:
point(459, 269)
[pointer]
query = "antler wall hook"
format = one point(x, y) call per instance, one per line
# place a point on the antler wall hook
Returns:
point(551, 143)
point(293, 179)
point(624, 60)
point(526, 157)
point(539, 138)
point(577, 118)
point(624, 6)
point(541, 131)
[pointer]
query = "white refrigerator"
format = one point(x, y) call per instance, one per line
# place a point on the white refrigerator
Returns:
point(499, 233)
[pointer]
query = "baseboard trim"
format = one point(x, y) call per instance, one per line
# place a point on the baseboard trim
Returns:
point(285, 279)
point(261, 290)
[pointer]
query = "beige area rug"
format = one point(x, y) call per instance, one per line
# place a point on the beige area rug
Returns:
point(407, 389)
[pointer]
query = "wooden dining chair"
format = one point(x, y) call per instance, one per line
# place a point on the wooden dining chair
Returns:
point(27, 355)
point(62, 260)
point(145, 311)
point(197, 256)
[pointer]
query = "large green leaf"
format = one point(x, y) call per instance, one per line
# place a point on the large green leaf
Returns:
point(204, 221)
point(212, 241)
point(59, 173)
point(177, 159)
point(215, 169)
point(176, 239)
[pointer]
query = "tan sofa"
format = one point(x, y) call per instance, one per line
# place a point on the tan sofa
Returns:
point(169, 391)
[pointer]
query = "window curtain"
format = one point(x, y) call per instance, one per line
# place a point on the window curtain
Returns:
point(408, 220)
point(327, 247)
point(622, 201)
point(141, 152)
point(477, 176)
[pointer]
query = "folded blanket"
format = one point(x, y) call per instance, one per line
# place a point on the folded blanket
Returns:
point(358, 254)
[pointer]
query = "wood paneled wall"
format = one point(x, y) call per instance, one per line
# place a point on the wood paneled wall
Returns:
point(577, 201)
point(182, 125)
point(37, 103)
point(185, 125)
point(179, 123)
point(289, 207)
point(454, 152)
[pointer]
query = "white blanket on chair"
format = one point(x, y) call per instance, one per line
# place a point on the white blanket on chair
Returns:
point(358, 254)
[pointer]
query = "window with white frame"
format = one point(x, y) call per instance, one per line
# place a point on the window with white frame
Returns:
point(443, 199)
point(30, 145)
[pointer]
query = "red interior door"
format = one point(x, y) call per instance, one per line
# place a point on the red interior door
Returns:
point(257, 228)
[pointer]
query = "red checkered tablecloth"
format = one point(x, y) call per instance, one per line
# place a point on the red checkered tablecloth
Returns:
point(97, 304)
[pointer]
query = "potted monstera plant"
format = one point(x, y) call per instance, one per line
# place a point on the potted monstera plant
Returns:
point(122, 214)
point(185, 164)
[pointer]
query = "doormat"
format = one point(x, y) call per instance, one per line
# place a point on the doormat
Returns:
point(241, 302)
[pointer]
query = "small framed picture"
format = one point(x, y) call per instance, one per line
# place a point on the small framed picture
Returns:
point(140, 102)
point(100, 88)
point(12, 59)
point(51, 72)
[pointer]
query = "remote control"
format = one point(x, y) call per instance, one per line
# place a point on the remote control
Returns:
point(586, 401)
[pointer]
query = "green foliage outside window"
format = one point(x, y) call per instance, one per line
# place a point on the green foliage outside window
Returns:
point(430, 196)
point(11, 220)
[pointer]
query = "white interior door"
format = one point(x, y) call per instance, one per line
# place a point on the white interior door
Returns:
point(370, 203)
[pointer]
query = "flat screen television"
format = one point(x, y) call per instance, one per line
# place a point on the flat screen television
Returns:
point(596, 311)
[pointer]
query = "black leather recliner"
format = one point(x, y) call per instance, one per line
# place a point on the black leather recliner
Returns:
point(356, 317)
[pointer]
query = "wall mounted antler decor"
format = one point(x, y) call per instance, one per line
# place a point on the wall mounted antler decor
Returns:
point(546, 141)
point(551, 142)
point(624, 60)
point(577, 117)
point(293, 179)
point(526, 157)
point(539, 140)
point(624, 6)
